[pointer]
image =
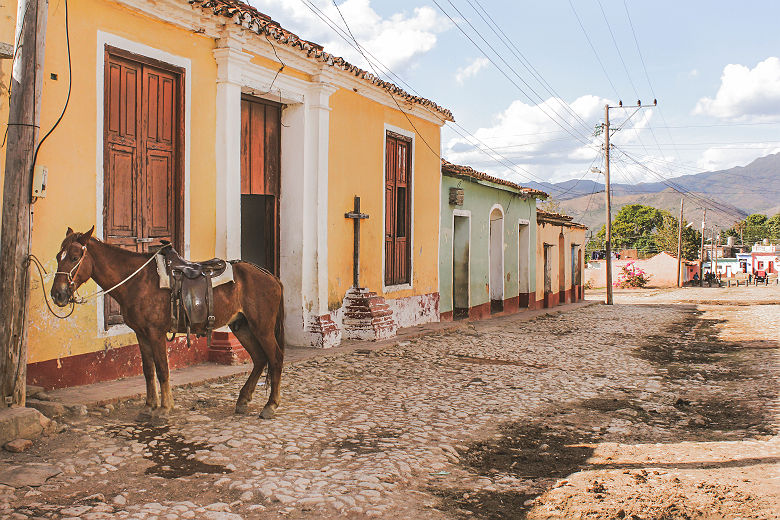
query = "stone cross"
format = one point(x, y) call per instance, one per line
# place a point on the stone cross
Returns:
point(357, 216)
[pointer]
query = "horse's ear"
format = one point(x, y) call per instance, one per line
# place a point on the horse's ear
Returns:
point(86, 236)
point(69, 231)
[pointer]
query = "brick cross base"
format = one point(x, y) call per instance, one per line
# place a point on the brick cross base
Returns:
point(367, 316)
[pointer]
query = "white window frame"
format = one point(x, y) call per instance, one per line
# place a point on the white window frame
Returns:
point(103, 39)
point(412, 136)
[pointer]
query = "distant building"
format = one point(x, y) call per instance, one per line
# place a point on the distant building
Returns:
point(560, 245)
point(765, 257)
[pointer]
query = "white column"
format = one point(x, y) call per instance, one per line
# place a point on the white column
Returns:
point(304, 210)
point(316, 228)
point(231, 61)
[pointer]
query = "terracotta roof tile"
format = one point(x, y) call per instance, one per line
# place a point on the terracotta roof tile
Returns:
point(262, 24)
point(468, 171)
point(558, 218)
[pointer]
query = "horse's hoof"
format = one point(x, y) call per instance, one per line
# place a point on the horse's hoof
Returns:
point(241, 408)
point(268, 413)
point(161, 413)
point(145, 414)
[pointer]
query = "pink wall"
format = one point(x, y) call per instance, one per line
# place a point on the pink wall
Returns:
point(662, 268)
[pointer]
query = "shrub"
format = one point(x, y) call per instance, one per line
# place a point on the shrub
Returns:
point(631, 276)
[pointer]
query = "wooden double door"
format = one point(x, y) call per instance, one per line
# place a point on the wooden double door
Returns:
point(142, 145)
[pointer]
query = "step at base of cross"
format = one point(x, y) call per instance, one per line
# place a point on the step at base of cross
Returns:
point(367, 316)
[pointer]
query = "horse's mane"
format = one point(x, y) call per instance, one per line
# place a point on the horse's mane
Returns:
point(76, 236)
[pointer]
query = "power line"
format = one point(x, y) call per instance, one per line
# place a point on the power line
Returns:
point(492, 154)
point(593, 48)
point(579, 137)
point(717, 206)
point(524, 60)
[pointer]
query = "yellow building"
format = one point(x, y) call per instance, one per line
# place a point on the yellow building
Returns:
point(560, 246)
point(206, 123)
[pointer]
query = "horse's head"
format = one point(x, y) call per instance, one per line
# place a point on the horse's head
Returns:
point(74, 266)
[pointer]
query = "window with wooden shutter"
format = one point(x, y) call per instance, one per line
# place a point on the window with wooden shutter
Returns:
point(142, 188)
point(398, 214)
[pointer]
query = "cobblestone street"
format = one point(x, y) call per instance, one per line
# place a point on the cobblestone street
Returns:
point(664, 406)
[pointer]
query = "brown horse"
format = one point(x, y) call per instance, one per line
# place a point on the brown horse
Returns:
point(252, 306)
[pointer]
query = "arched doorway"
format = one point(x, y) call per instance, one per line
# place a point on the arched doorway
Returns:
point(496, 253)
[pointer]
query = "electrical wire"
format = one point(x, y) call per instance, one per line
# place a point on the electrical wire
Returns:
point(579, 137)
point(67, 99)
point(453, 125)
point(496, 29)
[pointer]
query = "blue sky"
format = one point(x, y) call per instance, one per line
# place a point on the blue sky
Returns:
point(713, 66)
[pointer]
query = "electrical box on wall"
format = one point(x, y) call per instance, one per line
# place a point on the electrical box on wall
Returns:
point(39, 181)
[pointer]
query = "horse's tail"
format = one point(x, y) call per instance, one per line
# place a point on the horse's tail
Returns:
point(279, 329)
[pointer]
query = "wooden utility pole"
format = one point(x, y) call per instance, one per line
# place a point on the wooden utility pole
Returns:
point(23, 122)
point(716, 243)
point(679, 244)
point(701, 262)
point(607, 190)
point(608, 195)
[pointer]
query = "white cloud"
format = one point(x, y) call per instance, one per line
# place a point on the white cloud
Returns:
point(526, 136)
point(724, 157)
point(395, 40)
point(746, 94)
point(470, 70)
point(694, 73)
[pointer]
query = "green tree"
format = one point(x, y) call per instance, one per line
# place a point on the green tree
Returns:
point(665, 238)
point(754, 228)
point(633, 228)
point(773, 227)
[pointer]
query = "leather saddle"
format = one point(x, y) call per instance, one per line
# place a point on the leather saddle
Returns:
point(192, 296)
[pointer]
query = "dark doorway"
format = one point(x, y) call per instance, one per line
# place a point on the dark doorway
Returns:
point(260, 182)
point(460, 267)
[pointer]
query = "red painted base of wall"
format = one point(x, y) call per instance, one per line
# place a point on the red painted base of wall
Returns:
point(116, 363)
point(445, 316)
point(512, 305)
point(480, 312)
point(227, 350)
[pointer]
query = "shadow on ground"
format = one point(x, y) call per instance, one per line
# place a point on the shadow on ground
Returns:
point(560, 441)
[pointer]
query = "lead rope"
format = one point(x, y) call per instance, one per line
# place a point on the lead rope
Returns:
point(81, 300)
point(41, 271)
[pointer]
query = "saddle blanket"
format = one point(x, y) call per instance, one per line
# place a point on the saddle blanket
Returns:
point(165, 281)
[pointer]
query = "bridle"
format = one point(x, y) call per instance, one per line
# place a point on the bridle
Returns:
point(74, 271)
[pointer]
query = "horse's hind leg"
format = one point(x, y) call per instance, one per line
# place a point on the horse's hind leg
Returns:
point(147, 358)
point(275, 357)
point(240, 328)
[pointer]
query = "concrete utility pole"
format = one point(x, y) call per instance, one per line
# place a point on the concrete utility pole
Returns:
point(679, 243)
point(701, 262)
point(23, 123)
point(608, 195)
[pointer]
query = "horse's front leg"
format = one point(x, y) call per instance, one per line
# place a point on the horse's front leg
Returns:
point(147, 358)
point(160, 353)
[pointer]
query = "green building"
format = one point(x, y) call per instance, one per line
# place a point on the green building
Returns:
point(487, 244)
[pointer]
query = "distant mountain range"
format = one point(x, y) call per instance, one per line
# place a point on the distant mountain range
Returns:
point(738, 192)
